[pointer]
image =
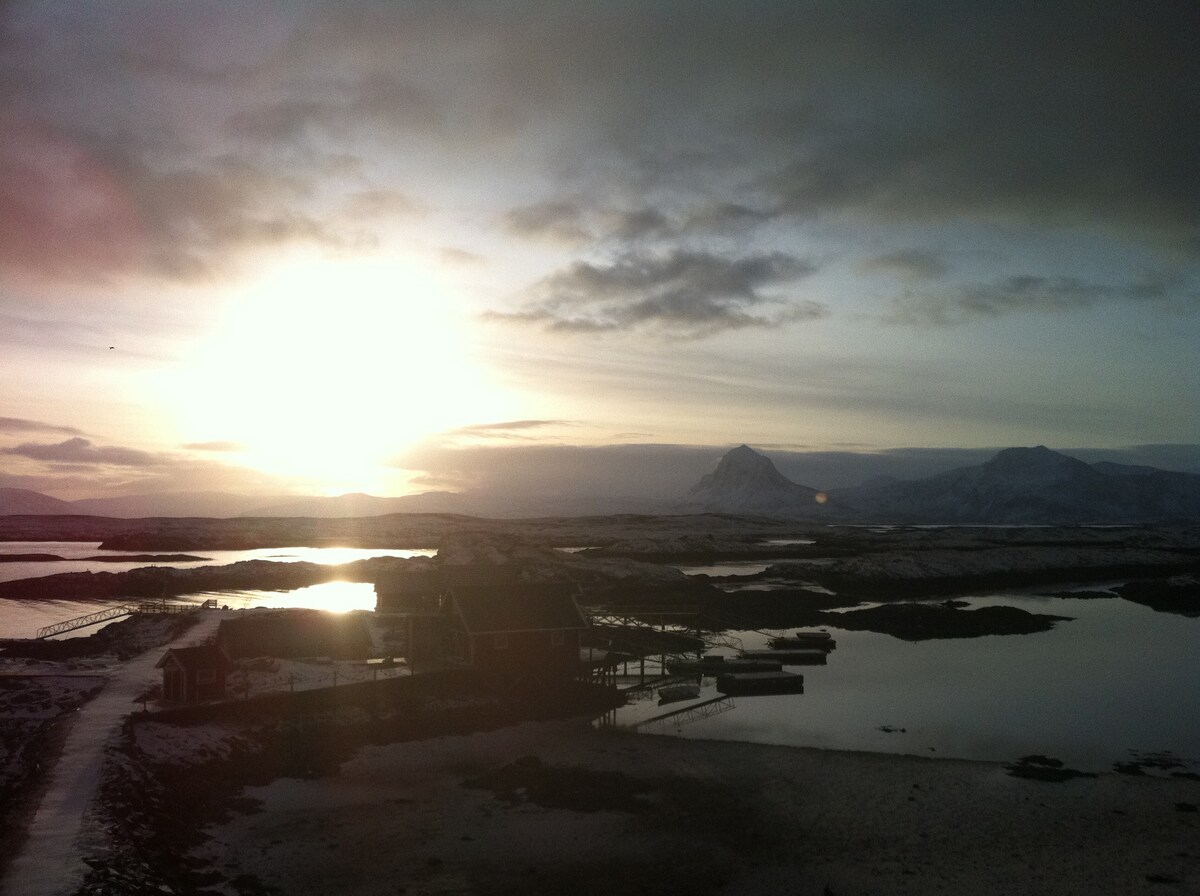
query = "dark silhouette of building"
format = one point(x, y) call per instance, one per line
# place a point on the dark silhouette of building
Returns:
point(514, 629)
point(192, 674)
point(295, 633)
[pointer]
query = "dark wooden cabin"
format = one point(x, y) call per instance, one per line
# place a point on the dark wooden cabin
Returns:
point(512, 629)
point(193, 674)
point(517, 629)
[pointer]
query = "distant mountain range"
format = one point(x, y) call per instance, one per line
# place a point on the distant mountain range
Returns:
point(221, 505)
point(1016, 486)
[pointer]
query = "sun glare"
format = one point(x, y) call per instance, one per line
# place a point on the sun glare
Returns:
point(323, 368)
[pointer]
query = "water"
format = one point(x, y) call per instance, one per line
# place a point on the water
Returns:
point(337, 597)
point(22, 619)
point(727, 568)
point(74, 553)
point(1119, 678)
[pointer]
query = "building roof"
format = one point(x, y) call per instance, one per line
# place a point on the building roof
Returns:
point(526, 608)
point(206, 656)
point(295, 632)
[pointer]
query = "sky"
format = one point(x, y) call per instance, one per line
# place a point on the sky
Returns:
point(269, 247)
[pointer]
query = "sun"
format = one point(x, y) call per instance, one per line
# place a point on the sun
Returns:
point(322, 368)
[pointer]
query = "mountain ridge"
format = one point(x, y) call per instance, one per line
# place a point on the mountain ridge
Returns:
point(1031, 486)
point(1018, 486)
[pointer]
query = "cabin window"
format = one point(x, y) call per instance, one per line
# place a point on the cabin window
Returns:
point(500, 640)
point(206, 676)
point(558, 638)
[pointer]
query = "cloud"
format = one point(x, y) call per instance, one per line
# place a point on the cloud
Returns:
point(17, 424)
point(1006, 115)
point(62, 210)
point(509, 429)
point(725, 217)
point(557, 221)
point(456, 255)
point(369, 100)
point(82, 451)
point(645, 472)
point(232, 447)
point(910, 265)
point(639, 224)
point(575, 222)
point(203, 216)
point(686, 294)
point(1029, 293)
point(380, 203)
point(685, 119)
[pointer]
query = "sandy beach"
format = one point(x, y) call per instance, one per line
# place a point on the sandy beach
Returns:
point(558, 807)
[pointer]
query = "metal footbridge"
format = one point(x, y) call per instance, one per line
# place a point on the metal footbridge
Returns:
point(114, 612)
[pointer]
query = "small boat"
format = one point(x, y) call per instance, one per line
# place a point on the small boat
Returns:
point(673, 693)
point(718, 665)
point(805, 657)
point(804, 640)
point(750, 683)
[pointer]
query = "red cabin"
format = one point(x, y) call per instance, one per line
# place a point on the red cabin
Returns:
point(192, 674)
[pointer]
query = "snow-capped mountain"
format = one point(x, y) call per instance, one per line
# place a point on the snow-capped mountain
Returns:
point(1031, 486)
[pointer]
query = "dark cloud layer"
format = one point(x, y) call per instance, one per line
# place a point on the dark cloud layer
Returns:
point(1043, 115)
point(82, 451)
point(681, 293)
point(1028, 293)
point(17, 424)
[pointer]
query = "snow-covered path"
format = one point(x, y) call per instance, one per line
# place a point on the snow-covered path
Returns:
point(50, 862)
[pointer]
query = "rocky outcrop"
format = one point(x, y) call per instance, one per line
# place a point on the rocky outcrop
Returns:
point(1175, 594)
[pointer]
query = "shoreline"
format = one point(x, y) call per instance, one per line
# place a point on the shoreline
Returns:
point(545, 807)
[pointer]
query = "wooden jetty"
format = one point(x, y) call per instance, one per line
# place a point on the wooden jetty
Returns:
point(751, 683)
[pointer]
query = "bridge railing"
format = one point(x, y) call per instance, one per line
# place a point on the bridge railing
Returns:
point(114, 612)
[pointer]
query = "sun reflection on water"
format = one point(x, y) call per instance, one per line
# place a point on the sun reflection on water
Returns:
point(336, 597)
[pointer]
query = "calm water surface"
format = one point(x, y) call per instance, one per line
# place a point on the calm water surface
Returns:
point(74, 553)
point(1119, 678)
point(22, 619)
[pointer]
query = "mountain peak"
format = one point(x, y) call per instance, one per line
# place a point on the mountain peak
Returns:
point(1038, 459)
point(743, 466)
point(748, 482)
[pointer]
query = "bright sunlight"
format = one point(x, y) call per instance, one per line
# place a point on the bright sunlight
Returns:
point(324, 368)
